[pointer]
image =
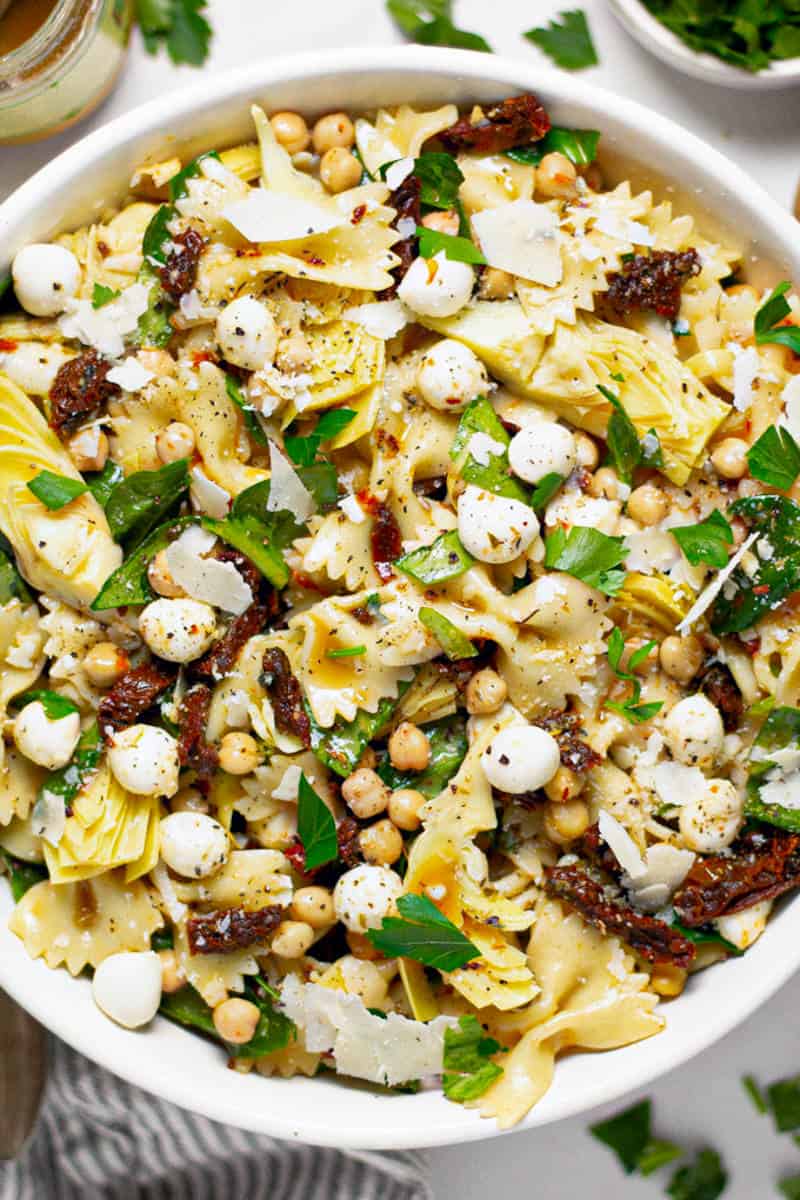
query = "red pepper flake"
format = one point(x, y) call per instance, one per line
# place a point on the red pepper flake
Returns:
point(313, 259)
point(761, 589)
point(359, 212)
point(201, 356)
point(7, 345)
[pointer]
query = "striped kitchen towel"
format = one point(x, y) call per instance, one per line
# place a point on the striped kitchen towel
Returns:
point(98, 1138)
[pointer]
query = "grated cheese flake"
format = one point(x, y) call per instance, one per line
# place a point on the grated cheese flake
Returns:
point(521, 237)
point(279, 217)
point(287, 491)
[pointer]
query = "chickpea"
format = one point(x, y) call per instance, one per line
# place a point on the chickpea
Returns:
point(729, 458)
point(409, 749)
point(605, 484)
point(236, 1020)
point(160, 577)
point(446, 221)
point(89, 449)
point(486, 692)
point(189, 800)
point(586, 450)
point(174, 442)
point(172, 977)
point(681, 657)
point(339, 170)
point(647, 504)
point(565, 822)
point(668, 980)
point(749, 487)
point(496, 284)
point(777, 358)
point(363, 979)
point(556, 177)
point(365, 793)
point(381, 843)
point(368, 758)
point(361, 947)
point(336, 129)
point(404, 806)
point(293, 353)
point(292, 939)
point(290, 131)
point(313, 906)
point(564, 786)
point(105, 663)
point(239, 753)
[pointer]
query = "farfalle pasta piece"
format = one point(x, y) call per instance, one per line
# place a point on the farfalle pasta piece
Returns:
point(250, 879)
point(205, 406)
point(69, 637)
point(400, 133)
point(20, 780)
point(500, 978)
point(79, 924)
point(340, 550)
point(214, 976)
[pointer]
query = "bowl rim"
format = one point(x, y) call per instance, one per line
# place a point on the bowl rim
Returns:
point(666, 45)
point(25, 981)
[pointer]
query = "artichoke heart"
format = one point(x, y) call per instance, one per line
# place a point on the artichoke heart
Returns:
point(69, 553)
point(650, 603)
point(501, 335)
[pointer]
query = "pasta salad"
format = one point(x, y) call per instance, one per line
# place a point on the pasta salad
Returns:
point(398, 575)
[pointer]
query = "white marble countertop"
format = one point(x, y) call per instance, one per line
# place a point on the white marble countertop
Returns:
point(702, 1102)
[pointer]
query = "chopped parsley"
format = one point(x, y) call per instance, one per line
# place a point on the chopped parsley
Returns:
point(425, 934)
point(789, 1187)
point(545, 489)
point(630, 709)
point(746, 597)
point(783, 1098)
point(589, 555)
point(440, 177)
point(706, 542)
point(430, 22)
point(102, 295)
point(457, 249)
point(493, 474)
point(625, 451)
point(628, 1135)
point(468, 1067)
point(54, 704)
point(775, 458)
point(22, 875)
point(177, 25)
point(747, 35)
point(316, 827)
point(755, 1094)
point(56, 491)
point(578, 145)
point(303, 450)
point(704, 1179)
point(567, 40)
point(768, 325)
point(252, 423)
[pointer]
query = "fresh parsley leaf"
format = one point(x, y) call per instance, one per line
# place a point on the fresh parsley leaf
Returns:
point(494, 475)
point(631, 708)
point(468, 1069)
point(252, 423)
point(589, 555)
point(457, 249)
point(545, 489)
point(444, 559)
point(303, 450)
point(179, 26)
point(706, 542)
point(789, 1186)
point(156, 235)
point(775, 458)
point(784, 1102)
point(749, 34)
point(430, 23)
point(68, 781)
point(755, 1095)
point(55, 705)
point(102, 295)
point(56, 491)
point(140, 501)
point(567, 40)
point(425, 934)
point(441, 177)
point(578, 145)
point(768, 326)
point(704, 1179)
point(316, 827)
point(454, 643)
point(656, 1155)
point(780, 731)
point(347, 652)
point(627, 1134)
point(747, 597)
point(22, 875)
point(447, 740)
point(624, 451)
point(154, 327)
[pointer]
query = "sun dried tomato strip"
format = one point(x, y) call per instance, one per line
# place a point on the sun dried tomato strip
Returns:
point(406, 201)
point(597, 850)
point(761, 865)
point(347, 832)
point(286, 696)
point(80, 390)
point(222, 656)
point(514, 122)
point(193, 749)
point(132, 695)
point(575, 753)
point(653, 939)
point(179, 273)
point(723, 691)
point(386, 540)
point(231, 929)
point(653, 282)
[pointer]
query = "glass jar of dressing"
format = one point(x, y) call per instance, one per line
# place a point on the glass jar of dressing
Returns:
point(58, 60)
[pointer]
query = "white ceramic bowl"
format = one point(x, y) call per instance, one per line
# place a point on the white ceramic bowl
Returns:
point(655, 37)
point(170, 1061)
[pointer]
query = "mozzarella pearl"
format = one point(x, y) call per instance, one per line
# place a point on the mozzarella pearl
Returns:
point(542, 449)
point(745, 927)
point(494, 529)
point(694, 731)
point(437, 287)
point(247, 333)
point(365, 895)
point(33, 366)
point(450, 376)
point(45, 278)
point(44, 741)
point(710, 821)
point(193, 844)
point(178, 630)
point(144, 759)
point(127, 987)
point(521, 758)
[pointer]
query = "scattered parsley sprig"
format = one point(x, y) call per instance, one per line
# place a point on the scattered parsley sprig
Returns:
point(630, 709)
point(567, 40)
point(178, 26)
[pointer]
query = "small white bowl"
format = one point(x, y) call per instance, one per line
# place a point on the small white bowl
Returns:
point(655, 37)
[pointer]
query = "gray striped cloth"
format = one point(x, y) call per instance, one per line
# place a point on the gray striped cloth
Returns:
point(98, 1138)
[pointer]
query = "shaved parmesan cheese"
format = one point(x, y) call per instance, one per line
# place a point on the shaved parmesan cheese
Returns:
point(621, 843)
point(192, 308)
point(482, 447)
point(651, 550)
point(104, 329)
point(522, 238)
point(352, 510)
point(287, 492)
point(383, 319)
point(49, 817)
point(674, 783)
point(399, 172)
point(217, 583)
point(406, 227)
point(709, 594)
point(175, 910)
point(612, 226)
point(745, 927)
point(746, 365)
point(388, 1051)
point(130, 375)
point(289, 785)
point(208, 497)
point(791, 403)
point(665, 869)
point(279, 217)
point(781, 788)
